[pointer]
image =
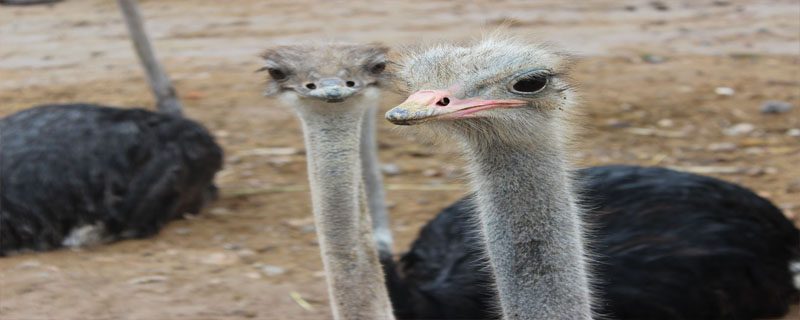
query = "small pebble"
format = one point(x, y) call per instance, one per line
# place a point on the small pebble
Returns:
point(280, 160)
point(649, 58)
point(220, 258)
point(253, 275)
point(147, 279)
point(614, 123)
point(793, 132)
point(723, 146)
point(775, 107)
point(231, 246)
point(666, 123)
point(754, 151)
point(182, 231)
point(272, 270)
point(191, 216)
point(390, 169)
point(219, 211)
point(300, 222)
point(248, 256)
point(724, 91)
point(738, 129)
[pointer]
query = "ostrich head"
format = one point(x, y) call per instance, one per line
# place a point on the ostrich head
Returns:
point(321, 76)
point(495, 89)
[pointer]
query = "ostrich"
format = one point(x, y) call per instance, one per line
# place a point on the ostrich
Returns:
point(507, 105)
point(315, 80)
point(80, 174)
point(442, 275)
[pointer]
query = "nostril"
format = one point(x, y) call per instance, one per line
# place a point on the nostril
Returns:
point(311, 86)
point(350, 84)
point(443, 102)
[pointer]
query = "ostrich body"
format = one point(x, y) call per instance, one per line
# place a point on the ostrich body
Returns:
point(667, 245)
point(507, 106)
point(79, 174)
point(332, 88)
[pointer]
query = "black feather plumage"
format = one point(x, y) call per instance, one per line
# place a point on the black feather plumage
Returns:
point(128, 171)
point(666, 245)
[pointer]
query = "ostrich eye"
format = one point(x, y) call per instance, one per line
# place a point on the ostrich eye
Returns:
point(277, 74)
point(529, 83)
point(378, 67)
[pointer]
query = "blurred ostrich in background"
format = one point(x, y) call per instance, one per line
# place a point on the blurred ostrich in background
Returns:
point(665, 244)
point(80, 174)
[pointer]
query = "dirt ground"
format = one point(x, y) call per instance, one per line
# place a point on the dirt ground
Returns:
point(673, 83)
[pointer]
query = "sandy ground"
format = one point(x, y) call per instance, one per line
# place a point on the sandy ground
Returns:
point(648, 71)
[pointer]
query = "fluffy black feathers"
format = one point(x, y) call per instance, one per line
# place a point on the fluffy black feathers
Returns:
point(124, 172)
point(667, 245)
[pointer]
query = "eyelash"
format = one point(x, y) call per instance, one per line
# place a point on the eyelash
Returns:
point(547, 73)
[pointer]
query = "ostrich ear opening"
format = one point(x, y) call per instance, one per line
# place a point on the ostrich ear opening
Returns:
point(378, 52)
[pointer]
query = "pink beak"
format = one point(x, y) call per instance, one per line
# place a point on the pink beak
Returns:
point(436, 104)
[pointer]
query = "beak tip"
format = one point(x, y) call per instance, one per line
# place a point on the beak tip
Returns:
point(397, 116)
point(396, 113)
point(409, 114)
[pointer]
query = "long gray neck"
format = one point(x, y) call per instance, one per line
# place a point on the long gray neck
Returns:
point(373, 184)
point(355, 279)
point(166, 99)
point(533, 230)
